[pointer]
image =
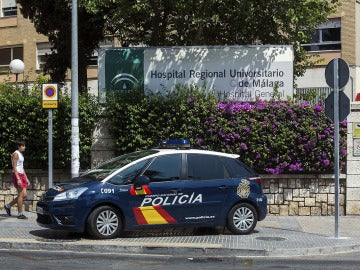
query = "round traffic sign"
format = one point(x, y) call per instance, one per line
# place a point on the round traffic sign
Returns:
point(343, 73)
point(344, 106)
point(49, 91)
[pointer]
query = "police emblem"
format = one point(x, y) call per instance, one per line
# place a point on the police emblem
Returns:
point(243, 189)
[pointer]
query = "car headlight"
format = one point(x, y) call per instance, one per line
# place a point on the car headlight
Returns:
point(71, 194)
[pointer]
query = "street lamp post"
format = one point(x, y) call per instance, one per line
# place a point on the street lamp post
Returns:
point(17, 66)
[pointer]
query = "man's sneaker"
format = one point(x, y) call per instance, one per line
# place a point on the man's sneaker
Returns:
point(8, 209)
point(21, 216)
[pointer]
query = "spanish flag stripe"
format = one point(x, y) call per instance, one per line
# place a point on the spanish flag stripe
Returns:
point(147, 190)
point(143, 191)
point(140, 219)
point(165, 214)
point(152, 216)
point(132, 190)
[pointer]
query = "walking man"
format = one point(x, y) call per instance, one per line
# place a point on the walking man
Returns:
point(19, 179)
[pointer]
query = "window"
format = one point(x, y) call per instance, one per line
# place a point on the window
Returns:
point(205, 167)
point(107, 43)
point(128, 175)
point(326, 37)
point(42, 49)
point(105, 169)
point(164, 168)
point(8, 54)
point(8, 8)
point(236, 168)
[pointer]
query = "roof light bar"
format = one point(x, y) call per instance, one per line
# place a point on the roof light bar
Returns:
point(175, 144)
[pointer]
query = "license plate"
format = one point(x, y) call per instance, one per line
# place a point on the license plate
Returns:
point(39, 210)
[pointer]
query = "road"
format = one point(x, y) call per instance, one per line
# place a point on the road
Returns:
point(39, 260)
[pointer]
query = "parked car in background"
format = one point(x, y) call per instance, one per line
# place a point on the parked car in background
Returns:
point(171, 185)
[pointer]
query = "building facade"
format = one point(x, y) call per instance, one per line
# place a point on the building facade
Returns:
point(339, 38)
point(19, 40)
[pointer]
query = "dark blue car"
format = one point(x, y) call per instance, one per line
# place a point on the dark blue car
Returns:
point(172, 185)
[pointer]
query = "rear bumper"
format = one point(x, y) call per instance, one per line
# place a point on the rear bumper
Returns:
point(262, 206)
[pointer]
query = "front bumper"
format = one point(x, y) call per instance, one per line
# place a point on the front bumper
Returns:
point(61, 217)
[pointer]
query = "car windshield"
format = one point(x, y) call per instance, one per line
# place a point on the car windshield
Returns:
point(105, 169)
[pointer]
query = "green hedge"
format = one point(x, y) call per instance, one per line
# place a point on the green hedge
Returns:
point(22, 116)
point(140, 121)
point(273, 136)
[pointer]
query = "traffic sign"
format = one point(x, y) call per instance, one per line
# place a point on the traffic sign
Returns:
point(344, 106)
point(49, 96)
point(343, 73)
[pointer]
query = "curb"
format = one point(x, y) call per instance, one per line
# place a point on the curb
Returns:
point(187, 249)
point(164, 249)
point(276, 237)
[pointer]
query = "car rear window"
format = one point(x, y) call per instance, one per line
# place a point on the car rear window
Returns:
point(236, 168)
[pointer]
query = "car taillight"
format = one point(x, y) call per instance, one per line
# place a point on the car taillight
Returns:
point(257, 180)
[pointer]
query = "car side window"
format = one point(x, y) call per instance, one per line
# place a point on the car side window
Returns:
point(205, 167)
point(236, 168)
point(164, 168)
point(128, 175)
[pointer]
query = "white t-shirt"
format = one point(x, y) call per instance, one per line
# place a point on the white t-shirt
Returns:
point(20, 162)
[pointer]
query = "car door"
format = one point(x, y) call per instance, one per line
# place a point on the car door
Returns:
point(208, 183)
point(157, 203)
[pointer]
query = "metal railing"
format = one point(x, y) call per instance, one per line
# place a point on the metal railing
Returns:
point(314, 95)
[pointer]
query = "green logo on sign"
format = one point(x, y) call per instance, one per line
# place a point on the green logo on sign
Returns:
point(124, 69)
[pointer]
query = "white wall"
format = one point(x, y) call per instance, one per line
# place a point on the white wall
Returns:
point(315, 77)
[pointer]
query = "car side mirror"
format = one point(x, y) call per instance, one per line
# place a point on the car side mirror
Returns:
point(141, 181)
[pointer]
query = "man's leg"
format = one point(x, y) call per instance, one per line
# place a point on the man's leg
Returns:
point(8, 206)
point(21, 197)
point(20, 201)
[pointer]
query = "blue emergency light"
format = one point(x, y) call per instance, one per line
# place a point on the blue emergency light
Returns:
point(175, 144)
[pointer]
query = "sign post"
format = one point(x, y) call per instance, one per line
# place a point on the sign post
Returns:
point(50, 101)
point(336, 145)
point(337, 75)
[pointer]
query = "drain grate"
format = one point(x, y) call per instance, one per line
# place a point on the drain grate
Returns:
point(270, 238)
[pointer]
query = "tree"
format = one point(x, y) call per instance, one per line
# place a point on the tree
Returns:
point(52, 18)
point(215, 22)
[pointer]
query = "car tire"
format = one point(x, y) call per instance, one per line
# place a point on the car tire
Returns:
point(104, 222)
point(242, 218)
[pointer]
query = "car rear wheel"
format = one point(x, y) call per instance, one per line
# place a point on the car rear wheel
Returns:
point(104, 222)
point(242, 218)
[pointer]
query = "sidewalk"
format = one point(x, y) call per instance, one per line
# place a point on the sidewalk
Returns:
point(275, 236)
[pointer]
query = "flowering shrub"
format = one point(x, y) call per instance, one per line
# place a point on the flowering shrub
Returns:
point(271, 136)
point(275, 136)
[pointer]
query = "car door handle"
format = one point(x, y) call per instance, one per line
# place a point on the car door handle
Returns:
point(223, 187)
point(175, 191)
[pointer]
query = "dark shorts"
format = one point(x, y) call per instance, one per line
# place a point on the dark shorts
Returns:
point(22, 177)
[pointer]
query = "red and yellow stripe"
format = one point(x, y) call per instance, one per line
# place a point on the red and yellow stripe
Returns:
point(145, 190)
point(152, 215)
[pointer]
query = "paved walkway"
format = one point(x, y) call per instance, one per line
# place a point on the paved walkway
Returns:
point(275, 236)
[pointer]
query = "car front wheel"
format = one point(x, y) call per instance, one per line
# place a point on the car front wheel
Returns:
point(104, 222)
point(242, 218)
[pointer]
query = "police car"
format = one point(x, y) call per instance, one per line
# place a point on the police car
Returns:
point(171, 185)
